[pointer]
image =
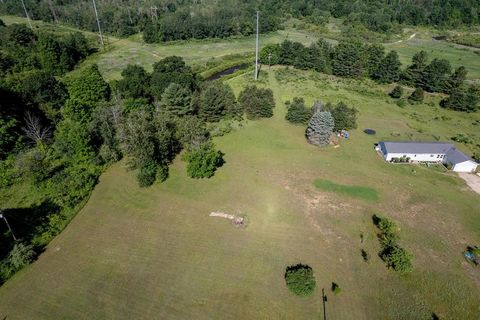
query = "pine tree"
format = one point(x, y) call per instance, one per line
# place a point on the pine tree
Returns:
point(412, 75)
point(375, 56)
point(397, 92)
point(435, 76)
point(463, 99)
point(457, 79)
point(317, 107)
point(389, 69)
point(177, 100)
point(257, 102)
point(320, 128)
point(349, 60)
point(216, 101)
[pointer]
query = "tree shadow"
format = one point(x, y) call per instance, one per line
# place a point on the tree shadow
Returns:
point(25, 224)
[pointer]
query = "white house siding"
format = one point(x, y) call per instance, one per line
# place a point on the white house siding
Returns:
point(467, 166)
point(416, 157)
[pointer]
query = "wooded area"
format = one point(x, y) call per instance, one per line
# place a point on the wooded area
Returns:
point(164, 20)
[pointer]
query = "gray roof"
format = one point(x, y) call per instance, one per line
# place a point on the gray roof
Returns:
point(415, 147)
point(453, 155)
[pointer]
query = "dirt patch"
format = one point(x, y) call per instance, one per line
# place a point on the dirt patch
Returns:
point(472, 180)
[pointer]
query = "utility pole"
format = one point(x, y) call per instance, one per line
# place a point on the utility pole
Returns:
point(98, 23)
point(8, 226)
point(153, 12)
point(26, 14)
point(256, 53)
point(52, 9)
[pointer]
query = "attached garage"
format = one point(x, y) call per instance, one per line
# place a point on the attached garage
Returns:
point(466, 166)
point(460, 162)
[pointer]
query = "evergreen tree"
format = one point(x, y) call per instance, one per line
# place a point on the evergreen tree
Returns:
point(217, 100)
point(457, 79)
point(463, 99)
point(435, 76)
point(416, 96)
point(177, 100)
point(349, 60)
point(320, 128)
point(297, 112)
point(397, 92)
point(389, 70)
point(375, 57)
point(257, 102)
point(413, 74)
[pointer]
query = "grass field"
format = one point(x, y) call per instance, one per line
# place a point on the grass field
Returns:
point(455, 54)
point(359, 192)
point(155, 253)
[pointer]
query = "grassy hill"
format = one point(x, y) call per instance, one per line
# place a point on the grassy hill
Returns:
point(156, 253)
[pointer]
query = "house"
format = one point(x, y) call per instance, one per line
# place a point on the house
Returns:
point(440, 152)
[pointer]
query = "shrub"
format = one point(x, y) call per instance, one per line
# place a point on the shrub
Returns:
point(397, 258)
point(147, 174)
point(204, 161)
point(365, 255)
point(401, 103)
point(397, 92)
point(416, 96)
point(20, 256)
point(394, 256)
point(345, 118)
point(297, 112)
point(476, 156)
point(336, 288)
point(300, 279)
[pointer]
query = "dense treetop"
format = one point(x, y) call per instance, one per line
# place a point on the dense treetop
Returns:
point(180, 19)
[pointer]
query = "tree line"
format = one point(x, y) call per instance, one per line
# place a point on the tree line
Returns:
point(354, 59)
point(162, 20)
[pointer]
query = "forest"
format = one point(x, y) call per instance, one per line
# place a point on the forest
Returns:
point(165, 20)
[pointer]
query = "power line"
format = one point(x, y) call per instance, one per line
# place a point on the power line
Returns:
point(26, 14)
point(98, 23)
point(256, 53)
point(8, 225)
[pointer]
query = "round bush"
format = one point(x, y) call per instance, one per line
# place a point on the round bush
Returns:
point(300, 279)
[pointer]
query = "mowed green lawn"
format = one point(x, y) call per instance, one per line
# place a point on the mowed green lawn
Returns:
point(155, 253)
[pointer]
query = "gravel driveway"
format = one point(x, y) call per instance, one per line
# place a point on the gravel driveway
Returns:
point(472, 180)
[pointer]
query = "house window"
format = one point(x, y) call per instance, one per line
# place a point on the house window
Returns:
point(431, 156)
point(415, 156)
